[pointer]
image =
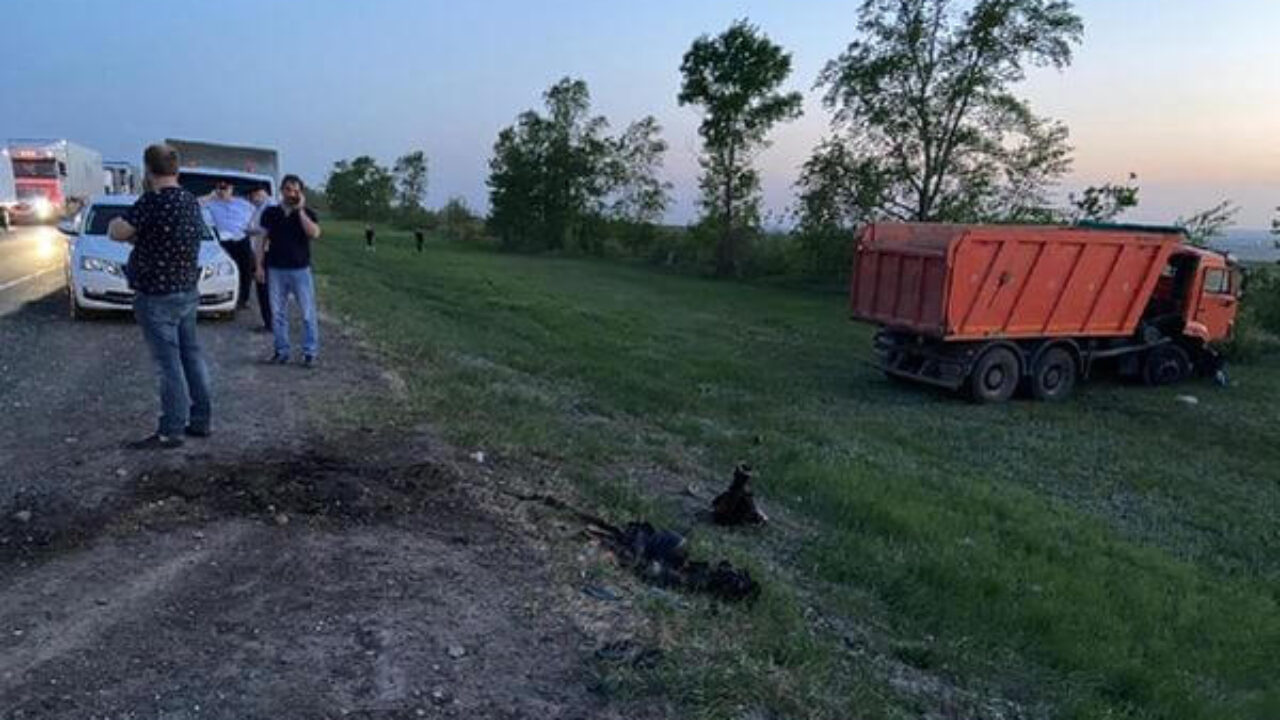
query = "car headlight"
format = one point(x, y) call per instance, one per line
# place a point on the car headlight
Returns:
point(222, 269)
point(42, 206)
point(102, 265)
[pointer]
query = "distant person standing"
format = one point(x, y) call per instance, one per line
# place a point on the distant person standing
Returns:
point(257, 236)
point(418, 238)
point(165, 227)
point(286, 268)
point(231, 216)
point(368, 238)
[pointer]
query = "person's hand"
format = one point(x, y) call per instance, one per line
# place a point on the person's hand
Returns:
point(302, 201)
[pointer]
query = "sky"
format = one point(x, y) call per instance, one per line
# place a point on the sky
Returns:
point(1185, 93)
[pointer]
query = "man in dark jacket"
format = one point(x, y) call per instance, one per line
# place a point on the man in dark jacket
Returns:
point(165, 227)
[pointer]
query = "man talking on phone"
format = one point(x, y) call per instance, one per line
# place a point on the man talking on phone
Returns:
point(290, 228)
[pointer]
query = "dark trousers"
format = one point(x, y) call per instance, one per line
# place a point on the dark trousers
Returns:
point(264, 299)
point(241, 253)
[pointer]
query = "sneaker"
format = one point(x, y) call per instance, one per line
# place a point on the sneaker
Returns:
point(155, 442)
point(308, 361)
point(278, 359)
point(195, 432)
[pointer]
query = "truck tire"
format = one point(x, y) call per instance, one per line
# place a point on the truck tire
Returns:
point(1054, 375)
point(994, 378)
point(1166, 365)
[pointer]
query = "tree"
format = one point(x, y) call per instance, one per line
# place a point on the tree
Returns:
point(734, 78)
point(554, 178)
point(1103, 203)
point(838, 192)
point(1210, 224)
point(923, 100)
point(1275, 225)
point(360, 189)
point(410, 173)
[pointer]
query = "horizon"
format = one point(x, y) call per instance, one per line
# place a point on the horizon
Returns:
point(1181, 96)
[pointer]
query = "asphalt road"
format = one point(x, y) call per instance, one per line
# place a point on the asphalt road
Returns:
point(31, 265)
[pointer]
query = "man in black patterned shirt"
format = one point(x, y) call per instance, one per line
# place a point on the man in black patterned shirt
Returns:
point(165, 227)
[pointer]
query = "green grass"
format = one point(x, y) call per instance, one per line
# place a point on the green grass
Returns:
point(1114, 556)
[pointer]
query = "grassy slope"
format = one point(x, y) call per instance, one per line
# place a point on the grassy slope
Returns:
point(1117, 555)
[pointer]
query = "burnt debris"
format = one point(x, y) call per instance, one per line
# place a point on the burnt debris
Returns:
point(737, 505)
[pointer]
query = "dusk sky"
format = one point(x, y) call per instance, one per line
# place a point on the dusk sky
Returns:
point(1186, 93)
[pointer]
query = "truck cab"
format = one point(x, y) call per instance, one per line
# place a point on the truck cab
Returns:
point(1197, 295)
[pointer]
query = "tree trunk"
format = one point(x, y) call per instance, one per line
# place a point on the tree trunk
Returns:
point(725, 255)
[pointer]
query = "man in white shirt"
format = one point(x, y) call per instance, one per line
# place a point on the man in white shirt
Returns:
point(231, 216)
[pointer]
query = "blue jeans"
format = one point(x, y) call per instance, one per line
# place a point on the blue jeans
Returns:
point(281, 283)
point(168, 325)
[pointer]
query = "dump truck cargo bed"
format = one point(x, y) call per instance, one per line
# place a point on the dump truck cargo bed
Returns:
point(976, 282)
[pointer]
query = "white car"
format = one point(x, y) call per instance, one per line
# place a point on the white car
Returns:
point(95, 263)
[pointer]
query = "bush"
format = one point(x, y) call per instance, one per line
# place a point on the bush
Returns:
point(1257, 329)
point(458, 223)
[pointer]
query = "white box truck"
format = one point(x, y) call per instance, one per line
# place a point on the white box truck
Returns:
point(8, 190)
point(203, 164)
point(52, 178)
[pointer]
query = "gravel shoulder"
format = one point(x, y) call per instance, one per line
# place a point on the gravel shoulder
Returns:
point(287, 567)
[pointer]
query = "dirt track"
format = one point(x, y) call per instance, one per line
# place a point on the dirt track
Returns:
point(283, 568)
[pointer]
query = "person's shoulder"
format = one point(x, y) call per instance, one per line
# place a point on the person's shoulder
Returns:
point(311, 214)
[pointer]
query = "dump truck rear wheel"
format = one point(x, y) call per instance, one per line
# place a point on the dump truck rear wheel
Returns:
point(995, 376)
point(1054, 375)
point(1166, 365)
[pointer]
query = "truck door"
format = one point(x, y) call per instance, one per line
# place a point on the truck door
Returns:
point(1216, 308)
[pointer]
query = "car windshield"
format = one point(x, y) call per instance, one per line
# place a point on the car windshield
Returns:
point(100, 216)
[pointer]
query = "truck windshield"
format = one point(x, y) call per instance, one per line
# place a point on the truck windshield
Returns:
point(35, 168)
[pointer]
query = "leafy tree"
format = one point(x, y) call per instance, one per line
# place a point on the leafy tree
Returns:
point(556, 178)
point(360, 189)
point(838, 192)
point(457, 220)
point(1103, 203)
point(410, 173)
point(734, 78)
point(1209, 224)
point(923, 99)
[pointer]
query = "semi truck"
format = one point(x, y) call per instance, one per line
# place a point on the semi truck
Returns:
point(994, 308)
point(204, 164)
point(53, 178)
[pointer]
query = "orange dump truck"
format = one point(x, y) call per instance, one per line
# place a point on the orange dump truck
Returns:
point(991, 308)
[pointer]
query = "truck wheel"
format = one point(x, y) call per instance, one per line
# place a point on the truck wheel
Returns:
point(1166, 365)
point(994, 377)
point(1054, 376)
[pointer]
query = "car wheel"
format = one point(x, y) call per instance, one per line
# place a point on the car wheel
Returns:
point(74, 311)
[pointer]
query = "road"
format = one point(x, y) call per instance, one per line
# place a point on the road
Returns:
point(31, 260)
point(293, 565)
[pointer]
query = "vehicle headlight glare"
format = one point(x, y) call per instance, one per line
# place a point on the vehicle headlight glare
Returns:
point(93, 264)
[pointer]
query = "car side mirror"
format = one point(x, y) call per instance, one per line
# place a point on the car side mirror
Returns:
point(67, 227)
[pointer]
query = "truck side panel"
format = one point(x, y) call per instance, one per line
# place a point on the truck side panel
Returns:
point(979, 282)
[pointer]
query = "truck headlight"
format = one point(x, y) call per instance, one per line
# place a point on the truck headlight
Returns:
point(102, 265)
point(42, 207)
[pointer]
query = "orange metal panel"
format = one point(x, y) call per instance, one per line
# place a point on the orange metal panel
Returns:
point(961, 282)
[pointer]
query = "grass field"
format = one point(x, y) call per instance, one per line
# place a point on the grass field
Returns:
point(1114, 556)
